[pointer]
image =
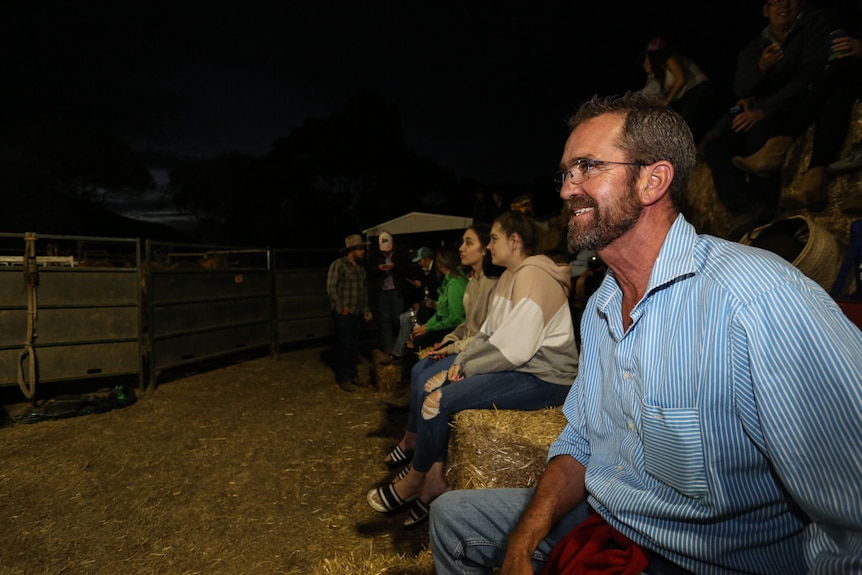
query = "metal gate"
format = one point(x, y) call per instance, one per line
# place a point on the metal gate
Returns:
point(77, 307)
point(69, 308)
point(301, 303)
point(205, 301)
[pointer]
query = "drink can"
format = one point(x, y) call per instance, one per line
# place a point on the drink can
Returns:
point(835, 35)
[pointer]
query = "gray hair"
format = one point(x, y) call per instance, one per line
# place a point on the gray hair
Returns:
point(651, 132)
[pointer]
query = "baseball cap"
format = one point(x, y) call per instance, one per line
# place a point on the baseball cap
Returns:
point(423, 252)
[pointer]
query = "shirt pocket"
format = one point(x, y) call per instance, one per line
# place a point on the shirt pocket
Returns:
point(673, 449)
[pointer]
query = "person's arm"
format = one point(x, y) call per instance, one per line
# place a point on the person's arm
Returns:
point(332, 287)
point(803, 375)
point(676, 69)
point(450, 307)
point(559, 490)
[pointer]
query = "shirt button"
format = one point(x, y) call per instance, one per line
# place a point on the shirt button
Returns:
point(626, 375)
point(631, 424)
point(619, 467)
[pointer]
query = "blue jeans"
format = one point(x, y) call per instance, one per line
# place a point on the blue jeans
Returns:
point(390, 308)
point(470, 529)
point(419, 374)
point(502, 390)
point(347, 330)
point(405, 328)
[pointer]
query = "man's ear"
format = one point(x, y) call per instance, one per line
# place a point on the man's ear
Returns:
point(655, 181)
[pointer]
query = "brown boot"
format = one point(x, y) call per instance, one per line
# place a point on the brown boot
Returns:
point(812, 192)
point(767, 159)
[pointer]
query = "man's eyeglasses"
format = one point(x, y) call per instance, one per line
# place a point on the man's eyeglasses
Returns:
point(579, 171)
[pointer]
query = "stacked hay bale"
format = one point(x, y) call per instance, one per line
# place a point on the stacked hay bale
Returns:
point(703, 208)
point(501, 448)
point(840, 187)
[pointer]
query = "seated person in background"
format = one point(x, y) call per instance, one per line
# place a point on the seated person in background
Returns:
point(449, 312)
point(772, 75)
point(524, 357)
point(424, 282)
point(715, 423)
point(483, 278)
point(828, 104)
point(681, 84)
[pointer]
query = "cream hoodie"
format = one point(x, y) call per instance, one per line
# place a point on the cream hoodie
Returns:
point(529, 327)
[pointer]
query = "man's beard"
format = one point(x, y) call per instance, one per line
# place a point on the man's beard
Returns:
point(606, 223)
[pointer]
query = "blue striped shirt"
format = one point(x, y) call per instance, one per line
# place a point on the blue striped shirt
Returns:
point(723, 430)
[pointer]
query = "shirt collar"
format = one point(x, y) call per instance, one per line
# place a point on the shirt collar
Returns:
point(675, 262)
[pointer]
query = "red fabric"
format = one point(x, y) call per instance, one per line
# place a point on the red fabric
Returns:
point(596, 547)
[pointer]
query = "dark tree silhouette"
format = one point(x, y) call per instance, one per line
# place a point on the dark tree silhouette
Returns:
point(55, 174)
point(81, 162)
point(330, 176)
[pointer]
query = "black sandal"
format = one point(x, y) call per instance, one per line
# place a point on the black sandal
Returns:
point(399, 457)
point(388, 500)
point(401, 474)
point(419, 511)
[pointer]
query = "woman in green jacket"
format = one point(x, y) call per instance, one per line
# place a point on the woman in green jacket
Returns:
point(450, 302)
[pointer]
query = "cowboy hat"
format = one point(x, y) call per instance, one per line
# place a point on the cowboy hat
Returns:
point(352, 242)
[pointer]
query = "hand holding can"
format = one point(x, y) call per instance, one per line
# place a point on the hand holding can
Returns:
point(837, 44)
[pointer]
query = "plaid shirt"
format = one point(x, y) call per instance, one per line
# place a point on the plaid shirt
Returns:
point(346, 287)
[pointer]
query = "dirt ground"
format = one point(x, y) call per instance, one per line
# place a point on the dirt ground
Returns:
point(251, 466)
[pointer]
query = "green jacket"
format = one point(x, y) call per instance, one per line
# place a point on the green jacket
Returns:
point(450, 304)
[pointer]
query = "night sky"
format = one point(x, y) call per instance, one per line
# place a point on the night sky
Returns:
point(482, 89)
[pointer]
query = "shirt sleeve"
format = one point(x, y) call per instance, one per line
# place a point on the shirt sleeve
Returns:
point(800, 396)
point(332, 281)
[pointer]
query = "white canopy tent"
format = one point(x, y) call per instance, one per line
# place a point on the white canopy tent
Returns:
point(419, 222)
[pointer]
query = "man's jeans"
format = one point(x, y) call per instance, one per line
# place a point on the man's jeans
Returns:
point(347, 330)
point(470, 529)
point(391, 304)
point(404, 330)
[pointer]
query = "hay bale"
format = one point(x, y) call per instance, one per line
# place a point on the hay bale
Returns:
point(702, 207)
point(839, 188)
point(377, 564)
point(385, 377)
point(501, 448)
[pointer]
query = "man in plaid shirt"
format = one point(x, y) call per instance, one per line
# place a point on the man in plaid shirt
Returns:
point(346, 285)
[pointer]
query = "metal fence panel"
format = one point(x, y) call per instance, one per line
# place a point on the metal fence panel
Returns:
point(87, 319)
point(302, 306)
point(197, 313)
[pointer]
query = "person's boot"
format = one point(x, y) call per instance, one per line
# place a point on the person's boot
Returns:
point(812, 192)
point(767, 160)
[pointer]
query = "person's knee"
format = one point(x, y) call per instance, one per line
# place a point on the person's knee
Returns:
point(435, 381)
point(431, 405)
point(444, 507)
